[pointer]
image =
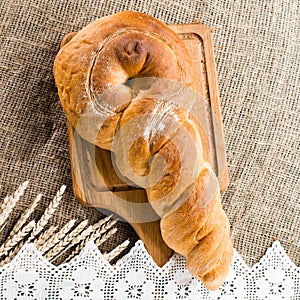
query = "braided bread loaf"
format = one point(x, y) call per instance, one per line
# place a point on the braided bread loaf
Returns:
point(156, 142)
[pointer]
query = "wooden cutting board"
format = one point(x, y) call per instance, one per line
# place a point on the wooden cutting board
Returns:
point(95, 181)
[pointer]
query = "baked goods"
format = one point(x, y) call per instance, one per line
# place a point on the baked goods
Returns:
point(156, 141)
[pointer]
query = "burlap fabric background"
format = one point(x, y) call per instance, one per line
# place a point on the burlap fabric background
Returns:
point(258, 57)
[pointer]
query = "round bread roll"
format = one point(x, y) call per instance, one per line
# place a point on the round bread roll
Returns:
point(126, 84)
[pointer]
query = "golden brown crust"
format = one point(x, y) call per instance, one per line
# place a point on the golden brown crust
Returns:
point(132, 44)
point(67, 38)
point(206, 254)
point(90, 71)
point(180, 228)
point(217, 276)
point(200, 233)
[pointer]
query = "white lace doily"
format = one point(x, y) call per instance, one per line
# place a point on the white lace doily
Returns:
point(136, 276)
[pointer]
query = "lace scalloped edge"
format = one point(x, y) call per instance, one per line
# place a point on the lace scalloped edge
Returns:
point(136, 276)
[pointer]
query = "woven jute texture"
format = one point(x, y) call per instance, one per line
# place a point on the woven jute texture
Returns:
point(258, 61)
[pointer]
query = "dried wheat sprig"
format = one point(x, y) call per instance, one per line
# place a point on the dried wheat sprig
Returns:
point(5, 201)
point(105, 237)
point(86, 233)
point(19, 191)
point(45, 236)
point(50, 210)
point(101, 222)
point(25, 215)
point(13, 241)
point(95, 234)
point(102, 229)
point(12, 254)
point(99, 241)
point(10, 202)
point(115, 252)
point(58, 248)
point(7, 258)
point(80, 237)
point(57, 237)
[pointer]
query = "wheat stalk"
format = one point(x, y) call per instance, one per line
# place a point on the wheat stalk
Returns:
point(19, 191)
point(5, 202)
point(99, 228)
point(98, 242)
point(25, 216)
point(103, 228)
point(12, 254)
point(12, 242)
point(87, 233)
point(37, 227)
point(115, 252)
point(105, 237)
point(49, 242)
point(57, 237)
point(45, 236)
point(50, 210)
point(101, 222)
point(10, 202)
point(58, 248)
point(80, 237)
point(95, 234)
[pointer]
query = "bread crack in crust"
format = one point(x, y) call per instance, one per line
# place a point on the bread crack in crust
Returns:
point(103, 73)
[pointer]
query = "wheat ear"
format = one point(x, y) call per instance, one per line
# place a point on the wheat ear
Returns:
point(105, 237)
point(102, 229)
point(115, 252)
point(50, 210)
point(45, 236)
point(101, 222)
point(5, 201)
point(20, 191)
point(58, 248)
point(25, 215)
point(99, 241)
point(56, 238)
point(86, 233)
point(12, 242)
point(95, 234)
point(12, 254)
point(98, 229)
point(80, 237)
point(10, 202)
